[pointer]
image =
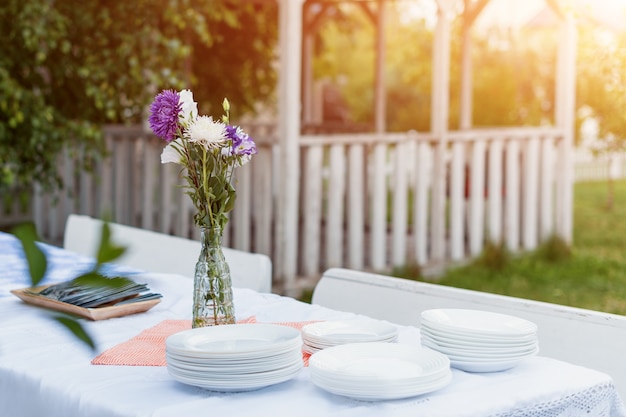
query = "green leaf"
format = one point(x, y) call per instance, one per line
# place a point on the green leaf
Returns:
point(94, 279)
point(77, 329)
point(230, 204)
point(36, 259)
point(107, 250)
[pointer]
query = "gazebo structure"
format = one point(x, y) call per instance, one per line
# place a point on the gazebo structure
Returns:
point(293, 107)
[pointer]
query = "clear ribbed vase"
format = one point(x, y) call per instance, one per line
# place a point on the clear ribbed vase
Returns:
point(212, 286)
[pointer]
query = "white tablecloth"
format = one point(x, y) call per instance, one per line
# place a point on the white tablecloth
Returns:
point(44, 371)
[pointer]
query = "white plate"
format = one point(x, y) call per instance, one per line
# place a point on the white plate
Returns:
point(236, 358)
point(233, 340)
point(385, 392)
point(477, 341)
point(348, 331)
point(477, 322)
point(479, 356)
point(235, 377)
point(260, 365)
point(243, 383)
point(496, 366)
point(378, 360)
point(379, 370)
point(458, 349)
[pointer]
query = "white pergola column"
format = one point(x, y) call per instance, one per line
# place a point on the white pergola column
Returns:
point(290, 38)
point(307, 79)
point(565, 108)
point(471, 12)
point(439, 126)
point(380, 95)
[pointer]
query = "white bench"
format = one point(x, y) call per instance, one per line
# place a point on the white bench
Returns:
point(159, 252)
point(589, 338)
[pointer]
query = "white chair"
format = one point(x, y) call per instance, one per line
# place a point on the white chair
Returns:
point(159, 252)
point(589, 338)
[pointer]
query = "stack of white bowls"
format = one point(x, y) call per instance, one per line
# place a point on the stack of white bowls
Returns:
point(479, 341)
point(379, 371)
point(325, 334)
point(238, 357)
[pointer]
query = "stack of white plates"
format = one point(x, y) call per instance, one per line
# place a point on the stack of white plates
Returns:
point(237, 357)
point(379, 371)
point(479, 341)
point(325, 334)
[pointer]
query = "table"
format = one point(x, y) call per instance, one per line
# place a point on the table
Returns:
point(44, 371)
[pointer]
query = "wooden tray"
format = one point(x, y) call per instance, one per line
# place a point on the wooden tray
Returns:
point(99, 313)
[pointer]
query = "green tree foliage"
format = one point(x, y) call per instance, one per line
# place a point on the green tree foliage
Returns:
point(408, 76)
point(68, 67)
point(601, 84)
point(513, 70)
point(513, 77)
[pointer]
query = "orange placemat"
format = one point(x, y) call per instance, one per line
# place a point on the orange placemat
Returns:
point(148, 347)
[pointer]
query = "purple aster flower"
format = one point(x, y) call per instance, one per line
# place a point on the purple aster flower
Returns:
point(242, 143)
point(164, 112)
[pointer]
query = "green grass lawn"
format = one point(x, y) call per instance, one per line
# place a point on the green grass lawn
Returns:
point(591, 274)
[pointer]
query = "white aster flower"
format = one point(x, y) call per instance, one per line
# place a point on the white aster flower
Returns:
point(206, 132)
point(170, 152)
point(189, 108)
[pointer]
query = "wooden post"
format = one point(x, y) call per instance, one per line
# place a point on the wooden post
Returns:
point(470, 13)
point(564, 116)
point(439, 126)
point(290, 43)
point(380, 96)
point(466, 74)
point(307, 78)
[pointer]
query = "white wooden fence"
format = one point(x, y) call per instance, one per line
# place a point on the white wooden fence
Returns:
point(601, 167)
point(364, 198)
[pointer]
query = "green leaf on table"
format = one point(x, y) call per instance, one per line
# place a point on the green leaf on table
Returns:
point(94, 279)
point(108, 251)
point(36, 259)
point(77, 329)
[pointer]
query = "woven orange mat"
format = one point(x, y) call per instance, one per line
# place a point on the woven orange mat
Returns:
point(148, 347)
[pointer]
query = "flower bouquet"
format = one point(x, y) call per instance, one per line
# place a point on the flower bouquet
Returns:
point(209, 151)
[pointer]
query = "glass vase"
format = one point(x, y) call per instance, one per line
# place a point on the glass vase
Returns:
point(212, 286)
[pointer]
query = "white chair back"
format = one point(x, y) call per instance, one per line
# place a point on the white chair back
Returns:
point(588, 338)
point(158, 252)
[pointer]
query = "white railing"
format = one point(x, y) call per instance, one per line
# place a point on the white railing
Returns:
point(365, 199)
point(372, 209)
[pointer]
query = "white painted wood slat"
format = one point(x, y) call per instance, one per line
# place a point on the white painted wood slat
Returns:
point(420, 209)
point(312, 203)
point(356, 206)
point(149, 176)
point(495, 183)
point(378, 207)
point(438, 204)
point(546, 214)
point(168, 186)
point(105, 199)
point(121, 180)
point(68, 197)
point(477, 198)
point(530, 203)
point(457, 201)
point(335, 206)
point(399, 218)
point(241, 213)
point(263, 198)
point(86, 197)
point(512, 196)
